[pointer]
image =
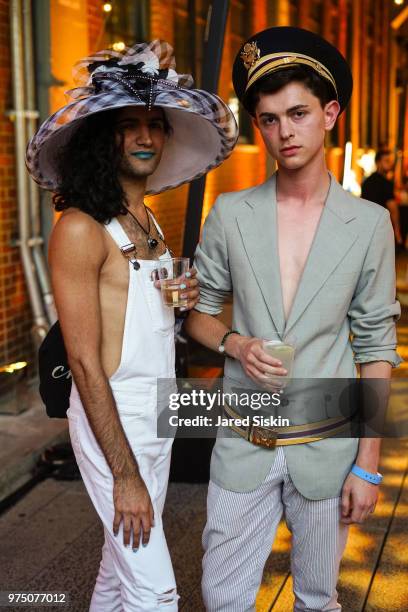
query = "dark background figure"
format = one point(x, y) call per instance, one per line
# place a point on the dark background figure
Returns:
point(403, 210)
point(379, 188)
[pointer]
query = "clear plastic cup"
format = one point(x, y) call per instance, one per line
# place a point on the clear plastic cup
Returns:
point(282, 349)
point(172, 274)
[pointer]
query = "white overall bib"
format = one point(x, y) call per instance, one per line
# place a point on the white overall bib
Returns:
point(128, 581)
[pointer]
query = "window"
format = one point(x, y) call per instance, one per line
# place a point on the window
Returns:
point(128, 22)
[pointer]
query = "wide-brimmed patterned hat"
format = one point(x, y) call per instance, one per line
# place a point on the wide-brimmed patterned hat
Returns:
point(284, 47)
point(204, 130)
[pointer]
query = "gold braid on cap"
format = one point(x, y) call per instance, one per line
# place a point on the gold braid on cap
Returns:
point(258, 66)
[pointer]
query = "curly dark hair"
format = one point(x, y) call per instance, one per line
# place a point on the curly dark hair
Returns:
point(88, 166)
point(272, 83)
point(88, 170)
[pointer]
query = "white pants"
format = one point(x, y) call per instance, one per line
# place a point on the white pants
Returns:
point(128, 581)
point(238, 539)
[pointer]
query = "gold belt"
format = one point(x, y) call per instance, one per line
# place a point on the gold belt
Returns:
point(269, 437)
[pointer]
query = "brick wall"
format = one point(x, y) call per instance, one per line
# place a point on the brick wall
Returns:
point(162, 20)
point(95, 18)
point(15, 311)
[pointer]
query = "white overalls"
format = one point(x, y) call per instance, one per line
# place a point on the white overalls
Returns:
point(128, 581)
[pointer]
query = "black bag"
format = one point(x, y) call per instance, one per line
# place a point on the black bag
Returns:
point(55, 375)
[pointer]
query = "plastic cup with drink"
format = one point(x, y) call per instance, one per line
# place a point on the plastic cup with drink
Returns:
point(282, 348)
point(171, 274)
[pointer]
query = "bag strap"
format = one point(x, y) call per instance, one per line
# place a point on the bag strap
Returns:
point(159, 229)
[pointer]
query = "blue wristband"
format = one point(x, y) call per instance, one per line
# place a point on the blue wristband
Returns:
point(368, 476)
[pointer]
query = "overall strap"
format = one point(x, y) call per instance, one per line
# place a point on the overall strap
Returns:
point(117, 232)
point(122, 240)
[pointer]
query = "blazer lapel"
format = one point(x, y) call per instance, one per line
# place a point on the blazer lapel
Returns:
point(258, 228)
point(332, 241)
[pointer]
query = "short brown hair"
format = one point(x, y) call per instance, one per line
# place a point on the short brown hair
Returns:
point(272, 83)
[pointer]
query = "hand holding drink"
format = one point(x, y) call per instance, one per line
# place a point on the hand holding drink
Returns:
point(284, 351)
point(267, 362)
point(177, 282)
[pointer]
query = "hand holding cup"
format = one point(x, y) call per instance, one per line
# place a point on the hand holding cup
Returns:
point(177, 283)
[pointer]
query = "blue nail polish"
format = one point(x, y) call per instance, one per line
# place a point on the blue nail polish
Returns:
point(188, 274)
point(135, 550)
point(183, 308)
point(144, 545)
point(183, 286)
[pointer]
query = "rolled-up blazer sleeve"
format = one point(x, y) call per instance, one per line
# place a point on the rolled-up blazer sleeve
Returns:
point(374, 308)
point(211, 263)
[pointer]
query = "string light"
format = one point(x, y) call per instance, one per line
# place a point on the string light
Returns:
point(107, 7)
point(119, 46)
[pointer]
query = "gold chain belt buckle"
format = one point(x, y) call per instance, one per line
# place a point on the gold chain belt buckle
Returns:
point(263, 436)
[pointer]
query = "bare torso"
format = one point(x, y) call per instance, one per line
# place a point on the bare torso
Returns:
point(113, 286)
point(297, 226)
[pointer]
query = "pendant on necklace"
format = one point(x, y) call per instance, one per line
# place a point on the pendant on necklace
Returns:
point(152, 243)
point(135, 264)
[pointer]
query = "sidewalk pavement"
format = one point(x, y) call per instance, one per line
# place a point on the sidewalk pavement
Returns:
point(51, 541)
point(23, 438)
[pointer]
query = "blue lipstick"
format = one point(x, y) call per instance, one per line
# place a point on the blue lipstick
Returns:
point(143, 155)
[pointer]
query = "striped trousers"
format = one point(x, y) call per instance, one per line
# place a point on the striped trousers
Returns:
point(238, 538)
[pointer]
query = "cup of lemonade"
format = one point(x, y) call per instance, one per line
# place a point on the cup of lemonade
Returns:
point(282, 349)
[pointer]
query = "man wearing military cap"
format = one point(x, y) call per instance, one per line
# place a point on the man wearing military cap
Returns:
point(301, 257)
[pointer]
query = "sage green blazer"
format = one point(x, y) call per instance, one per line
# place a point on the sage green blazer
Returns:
point(344, 313)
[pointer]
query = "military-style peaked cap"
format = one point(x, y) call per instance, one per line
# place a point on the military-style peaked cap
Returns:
point(284, 47)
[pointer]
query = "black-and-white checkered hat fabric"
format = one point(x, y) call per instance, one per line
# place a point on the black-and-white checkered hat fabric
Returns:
point(204, 130)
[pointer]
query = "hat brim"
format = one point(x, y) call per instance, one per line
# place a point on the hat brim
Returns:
point(203, 135)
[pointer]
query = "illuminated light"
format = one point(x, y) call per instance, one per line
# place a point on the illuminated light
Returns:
point(367, 161)
point(350, 182)
point(349, 176)
point(119, 46)
point(347, 164)
point(13, 367)
point(399, 2)
point(107, 7)
point(233, 103)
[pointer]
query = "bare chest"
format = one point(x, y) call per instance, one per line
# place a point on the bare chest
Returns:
point(113, 289)
point(296, 232)
point(142, 238)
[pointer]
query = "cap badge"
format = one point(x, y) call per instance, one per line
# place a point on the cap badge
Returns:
point(250, 54)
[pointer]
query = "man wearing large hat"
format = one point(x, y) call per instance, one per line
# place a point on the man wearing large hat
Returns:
point(301, 258)
point(134, 127)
